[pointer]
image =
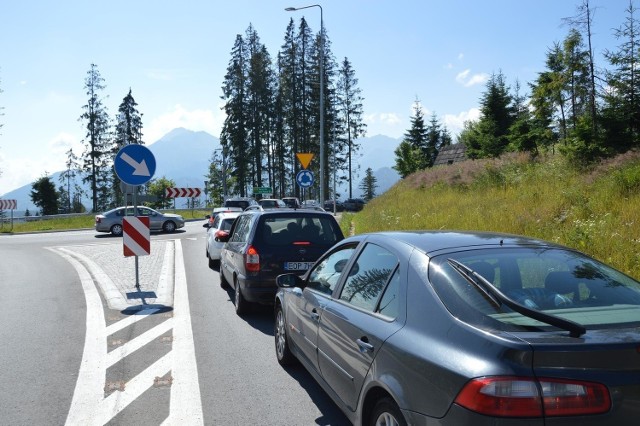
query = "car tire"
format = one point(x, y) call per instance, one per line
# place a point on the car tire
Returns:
point(242, 306)
point(169, 227)
point(283, 352)
point(386, 413)
point(223, 281)
point(116, 230)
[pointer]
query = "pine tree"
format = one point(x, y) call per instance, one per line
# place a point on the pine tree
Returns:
point(621, 114)
point(416, 137)
point(368, 185)
point(488, 137)
point(66, 177)
point(128, 130)
point(45, 196)
point(215, 179)
point(350, 110)
point(259, 99)
point(96, 161)
point(234, 137)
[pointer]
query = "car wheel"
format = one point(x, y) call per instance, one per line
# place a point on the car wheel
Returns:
point(223, 281)
point(283, 353)
point(386, 413)
point(169, 227)
point(242, 306)
point(213, 263)
point(116, 229)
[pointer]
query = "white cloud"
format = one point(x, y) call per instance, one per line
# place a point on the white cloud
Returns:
point(468, 80)
point(384, 123)
point(455, 123)
point(386, 118)
point(196, 120)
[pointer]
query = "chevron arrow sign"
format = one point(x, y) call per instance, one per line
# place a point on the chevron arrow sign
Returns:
point(8, 204)
point(182, 192)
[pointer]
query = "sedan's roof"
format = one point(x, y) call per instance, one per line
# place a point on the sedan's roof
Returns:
point(432, 241)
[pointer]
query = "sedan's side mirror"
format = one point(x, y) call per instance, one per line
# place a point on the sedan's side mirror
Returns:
point(289, 281)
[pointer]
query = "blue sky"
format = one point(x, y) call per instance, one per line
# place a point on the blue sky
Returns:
point(173, 55)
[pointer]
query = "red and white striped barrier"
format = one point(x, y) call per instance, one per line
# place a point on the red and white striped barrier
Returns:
point(182, 192)
point(136, 236)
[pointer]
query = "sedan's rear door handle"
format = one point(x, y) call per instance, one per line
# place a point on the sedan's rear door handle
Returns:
point(364, 345)
point(315, 315)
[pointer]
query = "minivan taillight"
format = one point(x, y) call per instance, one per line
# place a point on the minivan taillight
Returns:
point(527, 397)
point(252, 260)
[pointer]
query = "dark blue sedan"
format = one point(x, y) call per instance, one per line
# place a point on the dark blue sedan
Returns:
point(465, 329)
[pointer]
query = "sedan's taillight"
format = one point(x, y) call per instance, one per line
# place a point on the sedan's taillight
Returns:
point(526, 397)
point(252, 260)
point(98, 219)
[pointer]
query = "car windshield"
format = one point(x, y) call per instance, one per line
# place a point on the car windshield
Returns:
point(559, 282)
point(286, 230)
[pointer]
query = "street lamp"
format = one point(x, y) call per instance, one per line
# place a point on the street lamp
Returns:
point(292, 9)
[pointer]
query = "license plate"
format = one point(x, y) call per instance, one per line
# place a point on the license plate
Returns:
point(297, 266)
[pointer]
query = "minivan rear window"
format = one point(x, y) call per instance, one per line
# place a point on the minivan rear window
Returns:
point(282, 231)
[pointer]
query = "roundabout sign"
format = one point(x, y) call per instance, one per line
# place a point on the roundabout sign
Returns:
point(304, 178)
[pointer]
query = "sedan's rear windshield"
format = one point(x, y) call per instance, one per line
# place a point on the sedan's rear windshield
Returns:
point(286, 230)
point(560, 282)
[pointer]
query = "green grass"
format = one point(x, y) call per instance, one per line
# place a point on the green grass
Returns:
point(595, 211)
point(79, 222)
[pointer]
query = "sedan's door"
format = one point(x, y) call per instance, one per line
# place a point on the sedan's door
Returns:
point(306, 306)
point(354, 326)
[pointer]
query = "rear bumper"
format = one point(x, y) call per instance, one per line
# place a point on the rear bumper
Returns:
point(263, 292)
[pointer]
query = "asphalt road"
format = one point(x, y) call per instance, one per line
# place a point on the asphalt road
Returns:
point(80, 344)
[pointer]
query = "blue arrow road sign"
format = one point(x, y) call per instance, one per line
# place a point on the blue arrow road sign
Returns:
point(135, 164)
point(304, 178)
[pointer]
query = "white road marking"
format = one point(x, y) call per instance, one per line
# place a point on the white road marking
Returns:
point(186, 404)
point(88, 405)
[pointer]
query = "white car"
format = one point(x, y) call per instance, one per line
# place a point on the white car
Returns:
point(220, 226)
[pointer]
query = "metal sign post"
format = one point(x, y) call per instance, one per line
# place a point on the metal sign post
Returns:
point(135, 165)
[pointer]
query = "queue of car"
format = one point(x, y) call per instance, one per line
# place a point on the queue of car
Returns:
point(440, 327)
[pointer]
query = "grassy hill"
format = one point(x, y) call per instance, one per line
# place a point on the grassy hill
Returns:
point(596, 211)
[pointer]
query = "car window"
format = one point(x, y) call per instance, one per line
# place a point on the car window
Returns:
point(325, 275)
point(226, 224)
point(241, 232)
point(291, 229)
point(144, 212)
point(390, 301)
point(564, 282)
point(368, 277)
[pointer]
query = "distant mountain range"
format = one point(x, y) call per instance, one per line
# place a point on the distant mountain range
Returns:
point(184, 155)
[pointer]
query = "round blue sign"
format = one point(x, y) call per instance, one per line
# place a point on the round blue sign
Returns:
point(135, 164)
point(304, 178)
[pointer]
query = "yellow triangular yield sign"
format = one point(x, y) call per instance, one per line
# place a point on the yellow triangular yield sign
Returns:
point(305, 159)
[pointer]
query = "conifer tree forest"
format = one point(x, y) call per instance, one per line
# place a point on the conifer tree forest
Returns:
point(272, 110)
point(577, 105)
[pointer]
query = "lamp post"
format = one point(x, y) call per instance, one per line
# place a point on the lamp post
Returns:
point(292, 9)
